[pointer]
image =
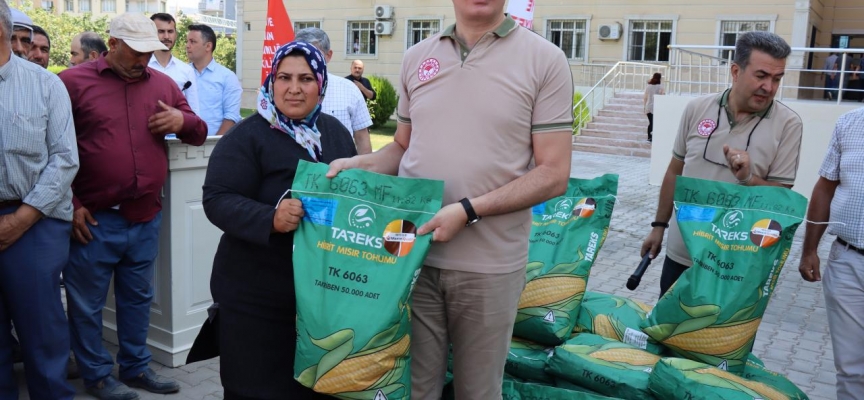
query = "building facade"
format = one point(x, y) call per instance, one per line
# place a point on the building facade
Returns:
point(99, 8)
point(589, 32)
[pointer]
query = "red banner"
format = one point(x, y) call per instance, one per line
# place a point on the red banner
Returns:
point(278, 32)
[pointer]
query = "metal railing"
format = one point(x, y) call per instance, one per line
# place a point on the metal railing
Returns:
point(214, 21)
point(624, 76)
point(694, 71)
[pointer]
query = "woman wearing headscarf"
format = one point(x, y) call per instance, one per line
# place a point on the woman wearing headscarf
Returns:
point(248, 175)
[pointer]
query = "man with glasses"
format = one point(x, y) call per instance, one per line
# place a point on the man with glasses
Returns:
point(740, 136)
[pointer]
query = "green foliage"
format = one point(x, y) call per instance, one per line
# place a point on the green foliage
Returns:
point(64, 26)
point(226, 45)
point(581, 114)
point(56, 68)
point(385, 100)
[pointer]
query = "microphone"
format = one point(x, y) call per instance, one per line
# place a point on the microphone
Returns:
point(634, 280)
point(186, 85)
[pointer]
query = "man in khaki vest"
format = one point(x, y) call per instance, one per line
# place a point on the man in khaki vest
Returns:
point(739, 136)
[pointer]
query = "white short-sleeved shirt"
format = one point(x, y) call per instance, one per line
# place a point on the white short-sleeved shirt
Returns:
point(344, 101)
point(844, 162)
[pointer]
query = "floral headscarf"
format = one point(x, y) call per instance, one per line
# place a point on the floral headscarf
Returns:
point(303, 131)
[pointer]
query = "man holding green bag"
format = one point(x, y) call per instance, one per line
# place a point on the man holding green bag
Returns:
point(742, 135)
point(467, 121)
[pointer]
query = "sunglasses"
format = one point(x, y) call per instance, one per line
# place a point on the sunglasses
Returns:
point(711, 134)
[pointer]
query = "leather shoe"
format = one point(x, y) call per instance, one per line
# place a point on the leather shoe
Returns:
point(111, 389)
point(72, 371)
point(153, 383)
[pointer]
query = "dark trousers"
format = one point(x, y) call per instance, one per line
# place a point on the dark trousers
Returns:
point(671, 272)
point(126, 252)
point(831, 87)
point(650, 125)
point(30, 298)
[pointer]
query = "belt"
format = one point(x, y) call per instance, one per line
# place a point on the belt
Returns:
point(849, 246)
point(10, 203)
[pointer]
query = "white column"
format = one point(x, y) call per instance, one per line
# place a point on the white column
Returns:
point(187, 245)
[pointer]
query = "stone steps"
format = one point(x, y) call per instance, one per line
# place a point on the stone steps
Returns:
point(602, 133)
point(621, 151)
point(619, 129)
point(622, 142)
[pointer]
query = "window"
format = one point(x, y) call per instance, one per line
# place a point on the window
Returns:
point(730, 30)
point(361, 38)
point(298, 25)
point(649, 40)
point(84, 6)
point(70, 6)
point(47, 5)
point(421, 29)
point(569, 35)
point(109, 6)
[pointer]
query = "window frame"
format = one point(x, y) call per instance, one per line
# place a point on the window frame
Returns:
point(89, 6)
point(721, 19)
point(627, 30)
point(348, 41)
point(317, 23)
point(102, 4)
point(409, 29)
point(586, 18)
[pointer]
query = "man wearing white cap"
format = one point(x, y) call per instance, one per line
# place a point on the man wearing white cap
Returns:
point(22, 33)
point(122, 111)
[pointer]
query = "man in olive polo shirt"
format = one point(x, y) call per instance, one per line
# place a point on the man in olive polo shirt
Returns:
point(741, 136)
point(477, 102)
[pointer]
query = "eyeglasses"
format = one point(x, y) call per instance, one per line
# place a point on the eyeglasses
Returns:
point(711, 134)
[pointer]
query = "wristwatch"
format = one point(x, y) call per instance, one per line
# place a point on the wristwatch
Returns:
point(659, 223)
point(473, 218)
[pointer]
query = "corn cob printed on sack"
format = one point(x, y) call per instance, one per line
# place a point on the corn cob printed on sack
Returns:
point(680, 378)
point(616, 318)
point(527, 360)
point(356, 259)
point(567, 232)
point(514, 390)
point(739, 238)
point(603, 365)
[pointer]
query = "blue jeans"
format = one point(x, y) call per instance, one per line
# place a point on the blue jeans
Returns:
point(127, 252)
point(30, 298)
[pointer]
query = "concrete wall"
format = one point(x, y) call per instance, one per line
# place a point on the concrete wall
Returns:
point(818, 117)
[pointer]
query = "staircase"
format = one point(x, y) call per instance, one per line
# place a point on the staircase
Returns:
point(620, 128)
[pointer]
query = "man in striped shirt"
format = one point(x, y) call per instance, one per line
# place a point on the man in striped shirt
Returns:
point(38, 161)
point(342, 100)
point(838, 197)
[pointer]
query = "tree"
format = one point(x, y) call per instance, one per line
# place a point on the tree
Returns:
point(226, 45)
point(64, 26)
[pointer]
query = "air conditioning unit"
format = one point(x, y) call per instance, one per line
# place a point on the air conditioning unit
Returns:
point(384, 28)
point(610, 32)
point(384, 12)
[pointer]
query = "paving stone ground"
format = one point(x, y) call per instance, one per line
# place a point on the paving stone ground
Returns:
point(792, 339)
